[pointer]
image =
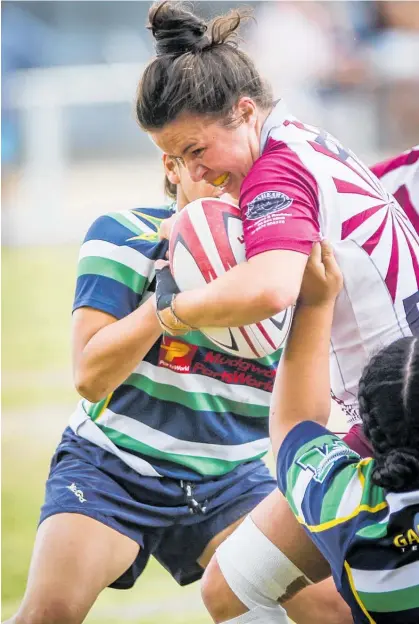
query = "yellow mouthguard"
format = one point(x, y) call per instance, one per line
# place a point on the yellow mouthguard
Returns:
point(220, 180)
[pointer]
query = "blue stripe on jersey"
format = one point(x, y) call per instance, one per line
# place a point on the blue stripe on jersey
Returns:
point(179, 471)
point(163, 467)
point(409, 616)
point(108, 229)
point(160, 212)
point(196, 426)
point(344, 588)
point(94, 291)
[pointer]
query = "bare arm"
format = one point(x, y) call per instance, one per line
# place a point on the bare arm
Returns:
point(302, 384)
point(248, 293)
point(106, 350)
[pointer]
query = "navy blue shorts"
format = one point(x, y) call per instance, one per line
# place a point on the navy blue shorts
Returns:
point(160, 514)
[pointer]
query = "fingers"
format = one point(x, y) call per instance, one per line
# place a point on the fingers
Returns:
point(167, 227)
point(160, 264)
point(329, 260)
point(316, 254)
point(326, 250)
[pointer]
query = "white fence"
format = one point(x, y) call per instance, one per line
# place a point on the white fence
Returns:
point(52, 200)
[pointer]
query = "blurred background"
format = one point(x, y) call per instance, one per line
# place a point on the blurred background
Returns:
point(71, 150)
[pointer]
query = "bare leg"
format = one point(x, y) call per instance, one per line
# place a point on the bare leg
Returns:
point(319, 603)
point(205, 558)
point(74, 558)
point(274, 518)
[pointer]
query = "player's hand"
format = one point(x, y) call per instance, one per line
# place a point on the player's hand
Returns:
point(167, 226)
point(166, 291)
point(322, 279)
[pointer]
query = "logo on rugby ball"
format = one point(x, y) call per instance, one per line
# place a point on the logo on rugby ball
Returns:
point(267, 203)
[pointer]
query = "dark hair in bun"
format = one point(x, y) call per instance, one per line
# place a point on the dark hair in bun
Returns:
point(198, 67)
point(176, 30)
point(389, 407)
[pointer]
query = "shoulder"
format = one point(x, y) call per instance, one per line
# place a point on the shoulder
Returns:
point(125, 226)
point(312, 449)
point(284, 164)
point(409, 158)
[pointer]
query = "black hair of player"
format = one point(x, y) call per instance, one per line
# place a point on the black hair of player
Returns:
point(389, 408)
point(198, 68)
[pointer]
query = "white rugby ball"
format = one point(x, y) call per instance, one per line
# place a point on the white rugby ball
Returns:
point(206, 241)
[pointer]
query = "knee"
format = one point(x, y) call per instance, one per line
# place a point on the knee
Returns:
point(339, 611)
point(53, 611)
point(319, 604)
point(220, 601)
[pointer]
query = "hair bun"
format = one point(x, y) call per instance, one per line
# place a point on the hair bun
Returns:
point(398, 469)
point(175, 29)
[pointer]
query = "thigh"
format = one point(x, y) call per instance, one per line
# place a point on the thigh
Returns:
point(224, 502)
point(204, 559)
point(275, 519)
point(235, 504)
point(320, 602)
point(74, 558)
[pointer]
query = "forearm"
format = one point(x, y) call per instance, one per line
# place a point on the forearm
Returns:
point(248, 293)
point(114, 352)
point(302, 386)
point(224, 303)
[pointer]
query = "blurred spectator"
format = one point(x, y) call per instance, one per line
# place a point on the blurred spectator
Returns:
point(350, 66)
point(22, 40)
point(292, 46)
point(394, 57)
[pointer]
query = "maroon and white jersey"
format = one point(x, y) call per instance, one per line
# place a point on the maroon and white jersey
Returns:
point(400, 176)
point(306, 186)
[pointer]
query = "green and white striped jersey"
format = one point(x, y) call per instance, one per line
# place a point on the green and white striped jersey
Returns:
point(189, 410)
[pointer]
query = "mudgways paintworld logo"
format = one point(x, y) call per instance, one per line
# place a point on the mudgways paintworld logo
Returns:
point(267, 203)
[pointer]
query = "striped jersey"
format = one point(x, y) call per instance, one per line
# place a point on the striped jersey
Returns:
point(369, 536)
point(305, 186)
point(189, 410)
point(400, 176)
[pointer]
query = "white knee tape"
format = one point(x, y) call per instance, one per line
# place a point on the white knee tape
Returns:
point(260, 615)
point(254, 568)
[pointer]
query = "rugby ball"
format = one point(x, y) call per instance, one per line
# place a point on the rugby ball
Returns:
point(206, 241)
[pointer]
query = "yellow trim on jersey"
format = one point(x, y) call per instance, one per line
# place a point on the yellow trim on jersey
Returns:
point(317, 528)
point(363, 462)
point(355, 593)
point(104, 406)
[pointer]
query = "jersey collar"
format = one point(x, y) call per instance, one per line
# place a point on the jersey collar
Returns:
point(276, 118)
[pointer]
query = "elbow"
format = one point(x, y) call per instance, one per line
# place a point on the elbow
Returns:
point(88, 389)
point(277, 300)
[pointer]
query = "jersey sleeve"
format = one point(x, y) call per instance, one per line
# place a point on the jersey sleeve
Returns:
point(279, 202)
point(114, 267)
point(319, 476)
point(407, 158)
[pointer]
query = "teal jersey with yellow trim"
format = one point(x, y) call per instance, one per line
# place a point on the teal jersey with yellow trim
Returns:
point(369, 536)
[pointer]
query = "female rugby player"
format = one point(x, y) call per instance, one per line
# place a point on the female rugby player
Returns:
point(204, 103)
point(363, 514)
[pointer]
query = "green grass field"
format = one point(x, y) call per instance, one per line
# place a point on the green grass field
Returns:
point(37, 397)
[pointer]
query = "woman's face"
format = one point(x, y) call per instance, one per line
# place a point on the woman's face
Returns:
point(218, 154)
point(188, 190)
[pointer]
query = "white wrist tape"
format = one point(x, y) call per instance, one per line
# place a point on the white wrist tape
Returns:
point(255, 569)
